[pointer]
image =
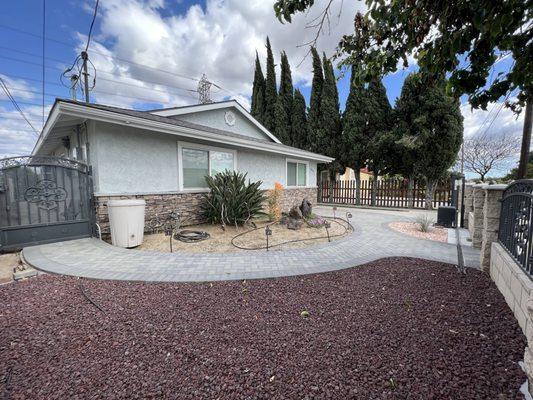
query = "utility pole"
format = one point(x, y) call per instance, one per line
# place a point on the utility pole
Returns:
point(526, 139)
point(85, 57)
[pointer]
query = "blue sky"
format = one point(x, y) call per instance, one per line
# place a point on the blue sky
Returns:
point(148, 54)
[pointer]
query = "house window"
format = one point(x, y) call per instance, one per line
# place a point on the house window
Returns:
point(197, 163)
point(296, 173)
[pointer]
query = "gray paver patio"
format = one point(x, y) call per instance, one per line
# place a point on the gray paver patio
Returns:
point(371, 240)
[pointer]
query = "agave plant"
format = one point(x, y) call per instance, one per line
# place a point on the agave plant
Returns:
point(231, 201)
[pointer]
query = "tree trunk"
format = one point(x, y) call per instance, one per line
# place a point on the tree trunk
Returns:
point(430, 189)
point(374, 187)
point(410, 192)
point(526, 140)
point(357, 174)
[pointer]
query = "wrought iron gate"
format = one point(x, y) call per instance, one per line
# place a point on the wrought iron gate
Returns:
point(44, 199)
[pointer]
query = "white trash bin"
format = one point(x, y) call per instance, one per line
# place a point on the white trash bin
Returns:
point(126, 221)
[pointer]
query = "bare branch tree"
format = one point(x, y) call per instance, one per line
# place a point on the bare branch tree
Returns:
point(483, 153)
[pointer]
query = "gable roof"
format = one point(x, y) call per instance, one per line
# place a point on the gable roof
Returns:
point(176, 111)
point(147, 120)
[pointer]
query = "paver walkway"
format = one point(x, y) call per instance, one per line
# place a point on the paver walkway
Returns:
point(371, 240)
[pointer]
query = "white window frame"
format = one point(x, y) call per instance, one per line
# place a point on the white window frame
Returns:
point(293, 160)
point(209, 149)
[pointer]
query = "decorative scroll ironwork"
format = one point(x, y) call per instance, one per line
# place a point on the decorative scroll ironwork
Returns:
point(516, 225)
point(46, 194)
point(12, 162)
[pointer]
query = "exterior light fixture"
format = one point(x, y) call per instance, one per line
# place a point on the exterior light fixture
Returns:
point(334, 209)
point(327, 225)
point(268, 232)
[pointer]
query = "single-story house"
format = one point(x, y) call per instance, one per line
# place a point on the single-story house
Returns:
point(364, 173)
point(163, 155)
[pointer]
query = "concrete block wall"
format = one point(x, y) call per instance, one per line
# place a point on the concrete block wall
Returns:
point(491, 221)
point(469, 205)
point(475, 225)
point(517, 289)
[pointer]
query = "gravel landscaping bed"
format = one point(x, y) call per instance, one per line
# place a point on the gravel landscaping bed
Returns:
point(392, 329)
point(436, 233)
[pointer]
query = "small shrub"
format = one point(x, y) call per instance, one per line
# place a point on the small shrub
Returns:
point(424, 223)
point(231, 201)
point(273, 199)
point(316, 222)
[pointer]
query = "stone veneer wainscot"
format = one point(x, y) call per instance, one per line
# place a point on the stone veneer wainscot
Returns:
point(188, 204)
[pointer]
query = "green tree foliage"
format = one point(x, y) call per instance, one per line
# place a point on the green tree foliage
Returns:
point(314, 141)
point(258, 92)
point(284, 102)
point(299, 121)
point(440, 35)
point(431, 125)
point(353, 152)
point(271, 94)
point(329, 135)
point(512, 175)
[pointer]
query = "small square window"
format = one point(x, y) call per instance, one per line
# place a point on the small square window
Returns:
point(296, 174)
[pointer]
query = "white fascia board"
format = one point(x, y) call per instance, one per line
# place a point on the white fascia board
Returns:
point(50, 122)
point(215, 106)
point(142, 123)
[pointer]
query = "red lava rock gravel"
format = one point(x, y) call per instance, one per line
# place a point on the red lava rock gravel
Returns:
point(393, 329)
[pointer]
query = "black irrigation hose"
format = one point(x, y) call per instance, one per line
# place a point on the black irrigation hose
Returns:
point(94, 303)
point(188, 236)
point(334, 219)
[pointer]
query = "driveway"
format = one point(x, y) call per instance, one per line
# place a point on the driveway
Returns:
point(371, 240)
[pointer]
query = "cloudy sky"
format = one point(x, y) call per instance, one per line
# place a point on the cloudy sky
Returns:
point(151, 53)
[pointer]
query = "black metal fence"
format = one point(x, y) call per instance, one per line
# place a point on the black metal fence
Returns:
point(515, 229)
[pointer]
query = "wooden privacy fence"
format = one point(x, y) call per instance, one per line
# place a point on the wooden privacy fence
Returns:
point(389, 193)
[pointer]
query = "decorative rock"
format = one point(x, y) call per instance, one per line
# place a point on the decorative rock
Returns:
point(295, 213)
point(294, 224)
point(306, 208)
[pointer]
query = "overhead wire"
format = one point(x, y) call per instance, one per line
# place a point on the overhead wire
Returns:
point(15, 104)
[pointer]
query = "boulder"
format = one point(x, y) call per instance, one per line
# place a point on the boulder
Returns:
point(295, 213)
point(306, 208)
point(294, 224)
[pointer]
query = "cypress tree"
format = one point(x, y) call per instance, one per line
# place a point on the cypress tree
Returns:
point(258, 92)
point(331, 130)
point(381, 142)
point(432, 128)
point(353, 152)
point(269, 118)
point(284, 102)
point(298, 121)
point(315, 121)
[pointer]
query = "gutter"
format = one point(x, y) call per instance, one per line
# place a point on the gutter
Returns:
point(136, 122)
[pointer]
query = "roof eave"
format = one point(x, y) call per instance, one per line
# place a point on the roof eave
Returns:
point(137, 122)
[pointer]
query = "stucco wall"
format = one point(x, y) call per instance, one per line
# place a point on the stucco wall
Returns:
point(215, 119)
point(128, 161)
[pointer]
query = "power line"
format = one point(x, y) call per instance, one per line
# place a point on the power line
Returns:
point(92, 24)
point(44, 50)
point(14, 102)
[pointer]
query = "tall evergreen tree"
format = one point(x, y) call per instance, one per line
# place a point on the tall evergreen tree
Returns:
point(271, 94)
point(299, 121)
point(314, 118)
point(331, 130)
point(353, 152)
point(432, 128)
point(258, 92)
point(284, 103)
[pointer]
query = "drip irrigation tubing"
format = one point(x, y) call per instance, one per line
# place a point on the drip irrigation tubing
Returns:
point(188, 236)
point(94, 303)
point(349, 228)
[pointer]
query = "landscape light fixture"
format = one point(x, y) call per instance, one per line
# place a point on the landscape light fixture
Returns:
point(334, 209)
point(327, 225)
point(268, 232)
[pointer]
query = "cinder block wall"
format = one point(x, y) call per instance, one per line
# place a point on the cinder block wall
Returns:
point(475, 225)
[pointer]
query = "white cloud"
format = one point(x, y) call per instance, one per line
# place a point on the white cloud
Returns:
point(19, 88)
point(497, 120)
point(219, 40)
point(16, 137)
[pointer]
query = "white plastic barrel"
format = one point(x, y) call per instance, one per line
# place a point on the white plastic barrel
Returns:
point(126, 221)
